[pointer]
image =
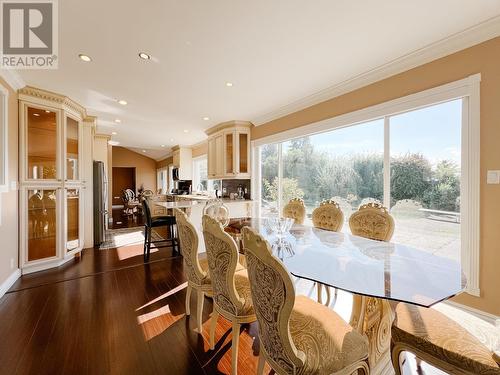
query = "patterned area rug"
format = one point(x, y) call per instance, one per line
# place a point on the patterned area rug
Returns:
point(126, 237)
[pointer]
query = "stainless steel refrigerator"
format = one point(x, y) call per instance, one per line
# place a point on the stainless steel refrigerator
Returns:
point(100, 202)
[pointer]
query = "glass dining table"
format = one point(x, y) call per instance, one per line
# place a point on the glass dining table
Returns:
point(379, 274)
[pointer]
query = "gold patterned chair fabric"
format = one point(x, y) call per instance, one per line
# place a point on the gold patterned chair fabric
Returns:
point(372, 220)
point(440, 341)
point(327, 216)
point(295, 209)
point(297, 334)
point(231, 288)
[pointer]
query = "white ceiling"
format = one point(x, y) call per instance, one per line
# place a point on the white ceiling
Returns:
point(274, 53)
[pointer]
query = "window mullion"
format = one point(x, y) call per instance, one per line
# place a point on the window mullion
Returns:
point(280, 178)
point(387, 163)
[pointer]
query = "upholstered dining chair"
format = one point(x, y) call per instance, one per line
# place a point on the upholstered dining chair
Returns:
point(327, 216)
point(196, 266)
point(373, 221)
point(297, 335)
point(231, 288)
point(439, 341)
point(295, 209)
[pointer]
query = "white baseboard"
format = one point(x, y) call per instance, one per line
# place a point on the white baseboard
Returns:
point(5, 286)
point(487, 317)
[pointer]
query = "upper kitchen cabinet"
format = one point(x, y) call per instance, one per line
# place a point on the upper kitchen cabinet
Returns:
point(229, 150)
point(183, 160)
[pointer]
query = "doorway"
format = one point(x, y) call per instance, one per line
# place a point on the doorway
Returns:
point(123, 178)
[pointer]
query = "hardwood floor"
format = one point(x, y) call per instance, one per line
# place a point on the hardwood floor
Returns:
point(101, 315)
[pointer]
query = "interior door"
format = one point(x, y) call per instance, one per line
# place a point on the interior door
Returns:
point(123, 178)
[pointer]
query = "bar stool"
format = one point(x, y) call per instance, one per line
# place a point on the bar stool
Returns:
point(158, 221)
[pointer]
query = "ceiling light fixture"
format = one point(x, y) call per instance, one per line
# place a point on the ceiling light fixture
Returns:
point(114, 133)
point(47, 111)
point(229, 84)
point(36, 114)
point(144, 56)
point(162, 145)
point(171, 139)
point(85, 58)
point(118, 121)
point(113, 143)
point(206, 118)
point(143, 150)
point(122, 102)
point(186, 131)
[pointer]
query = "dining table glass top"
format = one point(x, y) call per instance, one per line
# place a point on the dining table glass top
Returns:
point(367, 267)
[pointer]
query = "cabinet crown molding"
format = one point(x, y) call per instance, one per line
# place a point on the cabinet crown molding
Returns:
point(28, 93)
point(228, 125)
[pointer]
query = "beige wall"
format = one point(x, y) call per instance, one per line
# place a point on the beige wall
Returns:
point(483, 58)
point(200, 149)
point(9, 201)
point(145, 168)
point(165, 162)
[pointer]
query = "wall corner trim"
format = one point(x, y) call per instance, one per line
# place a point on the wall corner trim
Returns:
point(5, 286)
point(12, 78)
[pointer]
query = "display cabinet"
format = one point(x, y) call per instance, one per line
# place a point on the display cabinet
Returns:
point(54, 182)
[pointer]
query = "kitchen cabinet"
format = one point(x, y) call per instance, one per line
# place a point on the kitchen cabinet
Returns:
point(229, 150)
point(183, 160)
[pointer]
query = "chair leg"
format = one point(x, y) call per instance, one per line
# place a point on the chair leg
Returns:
point(262, 362)
point(145, 242)
point(188, 300)
point(200, 297)
point(213, 325)
point(149, 241)
point(319, 289)
point(395, 357)
point(234, 348)
point(328, 295)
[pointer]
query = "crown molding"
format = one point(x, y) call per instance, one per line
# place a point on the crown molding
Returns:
point(12, 78)
point(49, 97)
point(479, 33)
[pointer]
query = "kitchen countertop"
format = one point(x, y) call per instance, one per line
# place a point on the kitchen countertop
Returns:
point(206, 198)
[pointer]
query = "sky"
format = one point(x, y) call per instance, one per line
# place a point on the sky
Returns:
point(433, 131)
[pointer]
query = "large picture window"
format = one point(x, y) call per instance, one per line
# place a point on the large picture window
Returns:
point(408, 155)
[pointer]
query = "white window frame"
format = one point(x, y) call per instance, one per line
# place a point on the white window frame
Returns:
point(469, 90)
point(4, 139)
point(196, 179)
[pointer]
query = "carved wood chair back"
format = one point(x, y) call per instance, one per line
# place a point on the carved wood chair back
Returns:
point(372, 220)
point(295, 209)
point(328, 216)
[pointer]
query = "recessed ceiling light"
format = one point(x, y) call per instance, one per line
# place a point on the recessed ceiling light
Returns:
point(144, 56)
point(113, 143)
point(36, 114)
point(206, 118)
point(122, 102)
point(85, 58)
point(47, 111)
point(171, 139)
point(229, 84)
point(118, 121)
point(186, 131)
point(143, 150)
point(162, 145)
point(114, 133)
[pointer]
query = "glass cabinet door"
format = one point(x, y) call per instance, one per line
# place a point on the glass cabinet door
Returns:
point(72, 140)
point(72, 219)
point(41, 144)
point(42, 223)
point(243, 152)
point(229, 153)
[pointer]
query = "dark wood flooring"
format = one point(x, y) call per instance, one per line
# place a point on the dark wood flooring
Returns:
point(122, 220)
point(105, 314)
